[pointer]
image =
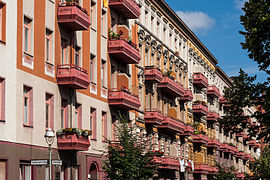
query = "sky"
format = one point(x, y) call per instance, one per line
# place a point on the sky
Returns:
point(217, 24)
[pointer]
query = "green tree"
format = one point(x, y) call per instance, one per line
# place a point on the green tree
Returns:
point(246, 93)
point(130, 157)
point(256, 22)
point(261, 166)
point(225, 173)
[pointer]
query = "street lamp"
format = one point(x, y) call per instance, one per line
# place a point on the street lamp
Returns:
point(49, 137)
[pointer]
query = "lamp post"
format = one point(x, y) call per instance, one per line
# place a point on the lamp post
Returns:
point(49, 137)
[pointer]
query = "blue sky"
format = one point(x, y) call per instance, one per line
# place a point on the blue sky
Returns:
point(217, 23)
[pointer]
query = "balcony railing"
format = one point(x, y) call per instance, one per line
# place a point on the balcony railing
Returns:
point(153, 116)
point(240, 155)
point(222, 100)
point(73, 16)
point(252, 142)
point(171, 87)
point(188, 131)
point(72, 142)
point(212, 170)
point(225, 148)
point(213, 91)
point(172, 125)
point(123, 51)
point(152, 74)
point(200, 138)
point(201, 168)
point(200, 80)
point(123, 99)
point(213, 116)
point(167, 162)
point(72, 76)
point(200, 108)
point(128, 8)
point(188, 96)
point(213, 143)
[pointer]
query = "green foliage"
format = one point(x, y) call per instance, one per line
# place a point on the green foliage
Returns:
point(130, 157)
point(261, 166)
point(225, 173)
point(256, 22)
point(245, 93)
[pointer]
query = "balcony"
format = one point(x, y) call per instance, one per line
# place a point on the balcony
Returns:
point(213, 143)
point(240, 175)
point(152, 74)
point(72, 76)
point(171, 87)
point(241, 134)
point(123, 99)
point(167, 162)
point(72, 16)
point(246, 157)
point(213, 91)
point(201, 168)
point(222, 100)
point(153, 116)
point(213, 116)
point(200, 80)
point(225, 148)
point(234, 150)
point(72, 142)
point(240, 155)
point(212, 170)
point(200, 108)
point(252, 142)
point(188, 96)
point(172, 125)
point(200, 138)
point(188, 131)
point(123, 51)
point(257, 145)
point(128, 8)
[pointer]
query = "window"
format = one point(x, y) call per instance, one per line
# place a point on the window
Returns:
point(48, 46)
point(2, 99)
point(78, 116)
point(158, 29)
point(64, 53)
point(93, 122)
point(64, 113)
point(49, 111)
point(27, 35)
point(27, 106)
point(92, 67)
point(93, 17)
point(104, 126)
point(2, 22)
point(3, 169)
point(146, 18)
point(26, 171)
point(77, 55)
point(103, 73)
point(104, 23)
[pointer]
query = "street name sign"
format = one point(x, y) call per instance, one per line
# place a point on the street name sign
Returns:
point(39, 162)
point(57, 162)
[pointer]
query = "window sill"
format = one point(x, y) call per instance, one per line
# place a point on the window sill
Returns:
point(28, 126)
point(2, 121)
point(94, 139)
point(49, 63)
point(94, 29)
point(26, 53)
point(105, 37)
point(3, 42)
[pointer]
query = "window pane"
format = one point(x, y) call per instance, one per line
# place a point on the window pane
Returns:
point(76, 118)
point(26, 31)
point(47, 49)
point(62, 118)
point(25, 110)
point(27, 172)
point(47, 114)
point(2, 170)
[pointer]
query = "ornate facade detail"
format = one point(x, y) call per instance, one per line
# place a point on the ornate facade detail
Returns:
point(159, 51)
point(147, 40)
point(153, 47)
point(141, 35)
point(165, 56)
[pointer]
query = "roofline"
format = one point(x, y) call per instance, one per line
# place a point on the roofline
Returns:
point(185, 29)
point(224, 76)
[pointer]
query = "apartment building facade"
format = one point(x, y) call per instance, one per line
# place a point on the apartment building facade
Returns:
point(77, 64)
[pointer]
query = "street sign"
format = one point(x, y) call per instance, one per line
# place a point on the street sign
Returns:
point(57, 162)
point(39, 162)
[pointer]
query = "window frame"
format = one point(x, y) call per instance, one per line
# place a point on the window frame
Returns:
point(28, 26)
point(48, 53)
point(2, 22)
point(78, 111)
point(49, 101)
point(2, 99)
point(77, 56)
point(93, 122)
point(5, 161)
point(64, 51)
point(104, 126)
point(26, 104)
point(64, 115)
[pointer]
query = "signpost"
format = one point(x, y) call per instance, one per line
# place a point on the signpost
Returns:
point(45, 162)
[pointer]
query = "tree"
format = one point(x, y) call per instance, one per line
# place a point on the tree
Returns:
point(129, 157)
point(256, 22)
point(261, 166)
point(225, 173)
